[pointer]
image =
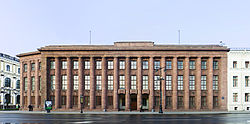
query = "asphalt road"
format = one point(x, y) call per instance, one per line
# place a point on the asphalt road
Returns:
point(6, 118)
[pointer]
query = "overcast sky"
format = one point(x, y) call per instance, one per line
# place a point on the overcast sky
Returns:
point(26, 25)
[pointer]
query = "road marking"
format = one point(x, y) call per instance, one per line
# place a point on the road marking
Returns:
point(83, 122)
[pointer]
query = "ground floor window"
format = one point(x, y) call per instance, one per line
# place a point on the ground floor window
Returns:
point(86, 101)
point(215, 101)
point(180, 103)
point(203, 102)
point(157, 101)
point(75, 100)
point(98, 100)
point(63, 100)
point(32, 99)
point(110, 100)
point(168, 101)
point(192, 102)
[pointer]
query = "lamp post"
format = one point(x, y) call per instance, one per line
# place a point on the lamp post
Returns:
point(81, 100)
point(160, 79)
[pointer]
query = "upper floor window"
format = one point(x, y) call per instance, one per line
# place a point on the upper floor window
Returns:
point(40, 66)
point(64, 82)
point(122, 64)
point(18, 84)
point(234, 64)
point(247, 64)
point(157, 64)
point(110, 65)
point(246, 81)
point(156, 82)
point(144, 64)
point(168, 82)
point(203, 64)
point(76, 82)
point(191, 82)
point(64, 64)
point(7, 67)
point(168, 64)
point(86, 65)
point(87, 82)
point(180, 82)
point(25, 83)
point(52, 82)
point(192, 64)
point(33, 83)
point(180, 64)
point(235, 97)
point(98, 64)
point(145, 82)
point(7, 82)
point(18, 70)
point(235, 81)
point(98, 82)
point(121, 82)
point(110, 82)
point(52, 64)
point(215, 65)
point(133, 64)
point(215, 82)
point(247, 96)
point(75, 63)
point(33, 67)
point(204, 82)
point(25, 67)
point(133, 82)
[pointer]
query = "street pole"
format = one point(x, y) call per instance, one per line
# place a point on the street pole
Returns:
point(81, 100)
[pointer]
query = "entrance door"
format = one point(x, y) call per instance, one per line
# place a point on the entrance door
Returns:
point(145, 101)
point(133, 104)
point(121, 102)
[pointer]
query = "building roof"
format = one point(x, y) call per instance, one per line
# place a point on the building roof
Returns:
point(9, 57)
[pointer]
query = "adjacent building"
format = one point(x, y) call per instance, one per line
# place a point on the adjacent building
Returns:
point(9, 81)
point(125, 76)
point(238, 80)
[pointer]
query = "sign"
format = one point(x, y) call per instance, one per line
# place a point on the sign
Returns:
point(48, 105)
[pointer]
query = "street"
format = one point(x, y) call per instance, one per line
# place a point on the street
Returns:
point(7, 118)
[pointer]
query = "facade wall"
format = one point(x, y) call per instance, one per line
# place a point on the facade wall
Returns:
point(241, 103)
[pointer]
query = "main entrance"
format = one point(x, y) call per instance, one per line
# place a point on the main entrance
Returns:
point(121, 102)
point(133, 104)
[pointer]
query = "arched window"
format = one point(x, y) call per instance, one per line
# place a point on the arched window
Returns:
point(18, 84)
point(18, 99)
point(7, 98)
point(7, 67)
point(7, 82)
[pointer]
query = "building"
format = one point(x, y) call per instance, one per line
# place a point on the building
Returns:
point(126, 76)
point(9, 81)
point(238, 80)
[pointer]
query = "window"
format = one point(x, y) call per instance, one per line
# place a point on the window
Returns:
point(247, 95)
point(63, 100)
point(191, 102)
point(215, 82)
point(168, 101)
point(98, 82)
point(76, 82)
point(40, 66)
point(32, 83)
point(25, 83)
point(144, 64)
point(33, 67)
point(122, 82)
point(40, 81)
point(64, 64)
point(87, 82)
point(235, 81)
point(156, 101)
point(98, 64)
point(157, 64)
point(168, 64)
point(203, 82)
point(18, 84)
point(7, 82)
point(203, 65)
point(191, 64)
point(86, 101)
point(110, 100)
point(235, 97)
point(64, 82)
point(110, 65)
point(215, 65)
point(246, 81)
point(180, 101)
point(247, 64)
point(191, 82)
point(203, 101)
point(145, 82)
point(52, 82)
point(52, 64)
point(133, 64)
point(215, 101)
point(98, 100)
point(180, 82)
point(86, 65)
point(133, 82)
point(156, 82)
point(18, 70)
point(168, 82)
point(110, 82)
point(234, 64)
point(7, 67)
point(75, 63)
point(25, 67)
point(180, 64)
point(122, 64)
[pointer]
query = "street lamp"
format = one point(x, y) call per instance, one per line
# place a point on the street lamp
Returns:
point(160, 79)
point(81, 101)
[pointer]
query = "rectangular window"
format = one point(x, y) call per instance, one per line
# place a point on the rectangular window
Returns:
point(98, 100)
point(215, 101)
point(180, 101)
point(157, 64)
point(168, 101)
point(191, 82)
point(133, 64)
point(52, 64)
point(122, 82)
point(32, 66)
point(110, 100)
point(75, 65)
point(168, 64)
point(203, 82)
point(247, 97)
point(235, 97)
point(64, 82)
point(246, 81)
point(86, 101)
point(40, 82)
point(234, 64)
point(98, 64)
point(203, 101)
point(180, 82)
point(32, 83)
point(122, 64)
point(144, 64)
point(235, 81)
point(215, 65)
point(76, 82)
point(168, 82)
point(25, 67)
point(64, 98)
point(247, 64)
point(156, 82)
point(86, 65)
point(87, 82)
point(156, 101)
point(215, 82)
point(52, 82)
point(110, 82)
point(191, 102)
point(64, 64)
point(191, 64)
point(110, 65)
point(133, 82)
point(25, 83)
point(145, 82)
point(180, 64)
point(40, 66)
point(98, 82)
point(204, 65)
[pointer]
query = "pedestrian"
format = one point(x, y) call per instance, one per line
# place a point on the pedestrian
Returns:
point(140, 108)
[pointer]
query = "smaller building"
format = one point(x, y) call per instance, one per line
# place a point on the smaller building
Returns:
point(9, 81)
point(238, 80)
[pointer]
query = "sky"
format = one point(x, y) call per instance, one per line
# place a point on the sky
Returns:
point(26, 25)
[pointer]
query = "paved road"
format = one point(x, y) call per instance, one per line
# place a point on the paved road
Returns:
point(6, 118)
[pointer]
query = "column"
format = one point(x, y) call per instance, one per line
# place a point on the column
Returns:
point(104, 83)
point(127, 83)
point(21, 85)
point(163, 82)
point(174, 77)
point(186, 83)
point(222, 96)
point(151, 83)
point(92, 83)
point(69, 83)
point(81, 83)
point(139, 77)
point(116, 81)
point(37, 84)
point(198, 83)
point(210, 83)
point(44, 75)
point(57, 83)
point(29, 83)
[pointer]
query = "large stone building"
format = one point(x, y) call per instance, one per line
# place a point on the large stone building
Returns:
point(126, 76)
point(238, 80)
point(9, 81)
